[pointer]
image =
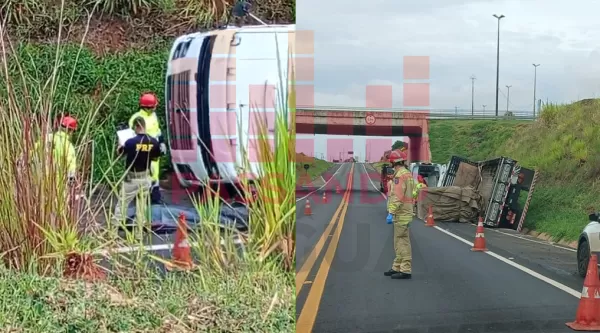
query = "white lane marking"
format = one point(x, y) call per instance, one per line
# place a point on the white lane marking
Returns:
point(537, 275)
point(335, 173)
point(153, 247)
point(371, 181)
point(535, 241)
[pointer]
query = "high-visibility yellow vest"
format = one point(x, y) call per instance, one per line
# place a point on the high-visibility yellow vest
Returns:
point(417, 189)
point(63, 151)
point(152, 125)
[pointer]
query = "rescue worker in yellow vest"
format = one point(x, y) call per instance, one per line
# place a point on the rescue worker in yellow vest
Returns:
point(400, 206)
point(148, 103)
point(64, 156)
point(62, 162)
point(421, 183)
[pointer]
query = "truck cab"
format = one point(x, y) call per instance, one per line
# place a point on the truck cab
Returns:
point(216, 81)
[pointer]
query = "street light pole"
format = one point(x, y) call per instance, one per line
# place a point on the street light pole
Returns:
point(507, 98)
point(498, 62)
point(484, 109)
point(535, 66)
point(472, 95)
point(456, 110)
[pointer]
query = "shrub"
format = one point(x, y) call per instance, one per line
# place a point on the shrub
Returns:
point(128, 74)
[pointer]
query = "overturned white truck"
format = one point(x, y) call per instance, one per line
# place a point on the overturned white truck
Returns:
point(490, 189)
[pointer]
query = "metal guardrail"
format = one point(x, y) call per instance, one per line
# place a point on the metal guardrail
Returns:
point(435, 114)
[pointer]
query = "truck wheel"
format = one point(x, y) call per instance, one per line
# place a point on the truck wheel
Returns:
point(583, 258)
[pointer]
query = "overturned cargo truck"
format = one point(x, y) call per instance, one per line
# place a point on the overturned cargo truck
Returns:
point(489, 189)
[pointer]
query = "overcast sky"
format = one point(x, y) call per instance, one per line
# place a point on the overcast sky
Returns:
point(360, 43)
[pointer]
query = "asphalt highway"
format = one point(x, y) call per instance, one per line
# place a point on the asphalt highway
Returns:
point(520, 285)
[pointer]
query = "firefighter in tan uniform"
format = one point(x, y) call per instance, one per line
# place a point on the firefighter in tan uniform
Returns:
point(400, 213)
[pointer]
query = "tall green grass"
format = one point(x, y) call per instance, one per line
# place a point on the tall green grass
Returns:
point(37, 201)
point(48, 226)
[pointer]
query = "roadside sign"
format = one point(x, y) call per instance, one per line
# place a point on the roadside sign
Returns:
point(370, 119)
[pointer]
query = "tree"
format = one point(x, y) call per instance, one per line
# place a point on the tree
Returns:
point(399, 144)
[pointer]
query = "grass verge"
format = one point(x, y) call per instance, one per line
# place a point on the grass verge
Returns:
point(378, 166)
point(317, 167)
point(252, 301)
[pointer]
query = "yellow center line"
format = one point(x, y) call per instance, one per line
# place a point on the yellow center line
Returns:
point(314, 254)
point(309, 311)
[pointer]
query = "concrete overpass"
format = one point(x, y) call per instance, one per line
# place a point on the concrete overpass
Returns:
point(374, 122)
point(414, 125)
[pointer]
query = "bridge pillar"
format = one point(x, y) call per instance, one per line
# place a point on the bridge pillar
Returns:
point(418, 149)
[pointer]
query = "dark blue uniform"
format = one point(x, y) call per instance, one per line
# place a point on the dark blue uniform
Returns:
point(140, 151)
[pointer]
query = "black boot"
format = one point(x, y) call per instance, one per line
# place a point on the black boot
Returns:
point(400, 275)
point(390, 272)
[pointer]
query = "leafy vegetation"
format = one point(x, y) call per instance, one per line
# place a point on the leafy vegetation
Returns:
point(51, 230)
point(119, 24)
point(253, 301)
point(560, 144)
point(128, 74)
point(398, 144)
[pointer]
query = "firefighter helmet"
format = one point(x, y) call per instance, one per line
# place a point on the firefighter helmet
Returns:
point(397, 156)
point(148, 100)
point(69, 123)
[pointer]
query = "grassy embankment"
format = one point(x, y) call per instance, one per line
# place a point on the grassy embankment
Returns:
point(40, 228)
point(561, 144)
point(317, 167)
point(378, 165)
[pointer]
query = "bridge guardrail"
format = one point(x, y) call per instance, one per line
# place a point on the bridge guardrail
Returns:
point(435, 114)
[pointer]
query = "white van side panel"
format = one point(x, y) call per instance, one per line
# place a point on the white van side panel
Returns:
point(259, 67)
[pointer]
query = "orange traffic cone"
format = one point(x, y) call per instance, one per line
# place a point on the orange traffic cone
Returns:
point(182, 256)
point(307, 210)
point(479, 237)
point(429, 220)
point(337, 189)
point(588, 311)
point(324, 197)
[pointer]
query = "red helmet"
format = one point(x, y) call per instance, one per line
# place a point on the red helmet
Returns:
point(397, 156)
point(69, 122)
point(148, 100)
